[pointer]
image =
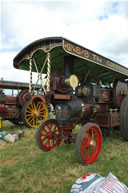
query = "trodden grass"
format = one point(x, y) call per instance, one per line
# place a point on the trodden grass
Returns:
point(24, 168)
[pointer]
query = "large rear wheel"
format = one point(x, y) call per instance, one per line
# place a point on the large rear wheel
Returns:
point(88, 143)
point(124, 118)
point(48, 135)
point(34, 112)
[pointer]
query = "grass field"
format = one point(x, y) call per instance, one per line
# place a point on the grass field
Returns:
point(24, 168)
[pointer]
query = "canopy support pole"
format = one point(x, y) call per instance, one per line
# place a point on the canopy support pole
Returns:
point(30, 70)
point(48, 73)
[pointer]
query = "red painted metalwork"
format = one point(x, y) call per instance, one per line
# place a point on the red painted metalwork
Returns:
point(62, 96)
point(92, 137)
point(107, 119)
point(57, 82)
point(11, 100)
point(24, 96)
point(3, 108)
point(101, 108)
point(37, 97)
point(102, 119)
point(104, 96)
point(11, 113)
point(68, 136)
point(115, 119)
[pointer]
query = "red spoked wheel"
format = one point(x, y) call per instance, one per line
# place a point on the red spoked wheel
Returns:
point(48, 135)
point(88, 143)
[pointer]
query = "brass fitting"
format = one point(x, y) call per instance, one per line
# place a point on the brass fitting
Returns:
point(72, 81)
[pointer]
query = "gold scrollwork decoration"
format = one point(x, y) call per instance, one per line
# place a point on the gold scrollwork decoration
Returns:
point(76, 50)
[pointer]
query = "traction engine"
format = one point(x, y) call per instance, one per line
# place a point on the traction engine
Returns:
point(24, 107)
point(83, 89)
point(91, 105)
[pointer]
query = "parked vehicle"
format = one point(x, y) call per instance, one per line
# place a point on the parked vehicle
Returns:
point(84, 89)
point(24, 107)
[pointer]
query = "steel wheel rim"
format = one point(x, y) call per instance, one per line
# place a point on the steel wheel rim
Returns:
point(36, 113)
point(49, 130)
point(90, 144)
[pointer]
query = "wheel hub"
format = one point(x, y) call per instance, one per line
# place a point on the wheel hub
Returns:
point(49, 135)
point(93, 144)
point(36, 114)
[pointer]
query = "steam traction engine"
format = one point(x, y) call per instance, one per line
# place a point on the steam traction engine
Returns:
point(22, 107)
point(84, 89)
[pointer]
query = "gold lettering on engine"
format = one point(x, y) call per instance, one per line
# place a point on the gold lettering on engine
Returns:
point(97, 58)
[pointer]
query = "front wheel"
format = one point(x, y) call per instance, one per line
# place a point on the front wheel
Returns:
point(48, 135)
point(88, 143)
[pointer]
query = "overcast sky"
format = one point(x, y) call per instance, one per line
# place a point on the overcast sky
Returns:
point(101, 26)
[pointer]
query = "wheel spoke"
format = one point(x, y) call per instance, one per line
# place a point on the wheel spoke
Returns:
point(39, 118)
point(39, 105)
point(41, 109)
point(44, 138)
point(28, 111)
point(56, 129)
point(44, 142)
point(86, 145)
point(29, 118)
point(32, 120)
point(93, 151)
point(42, 112)
point(29, 115)
point(42, 116)
point(47, 143)
point(31, 105)
point(44, 129)
point(53, 128)
point(45, 135)
point(87, 154)
point(29, 108)
point(36, 121)
point(92, 134)
point(34, 105)
point(87, 136)
point(49, 126)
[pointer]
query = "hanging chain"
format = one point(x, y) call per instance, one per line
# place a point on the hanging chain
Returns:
point(48, 72)
point(30, 70)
